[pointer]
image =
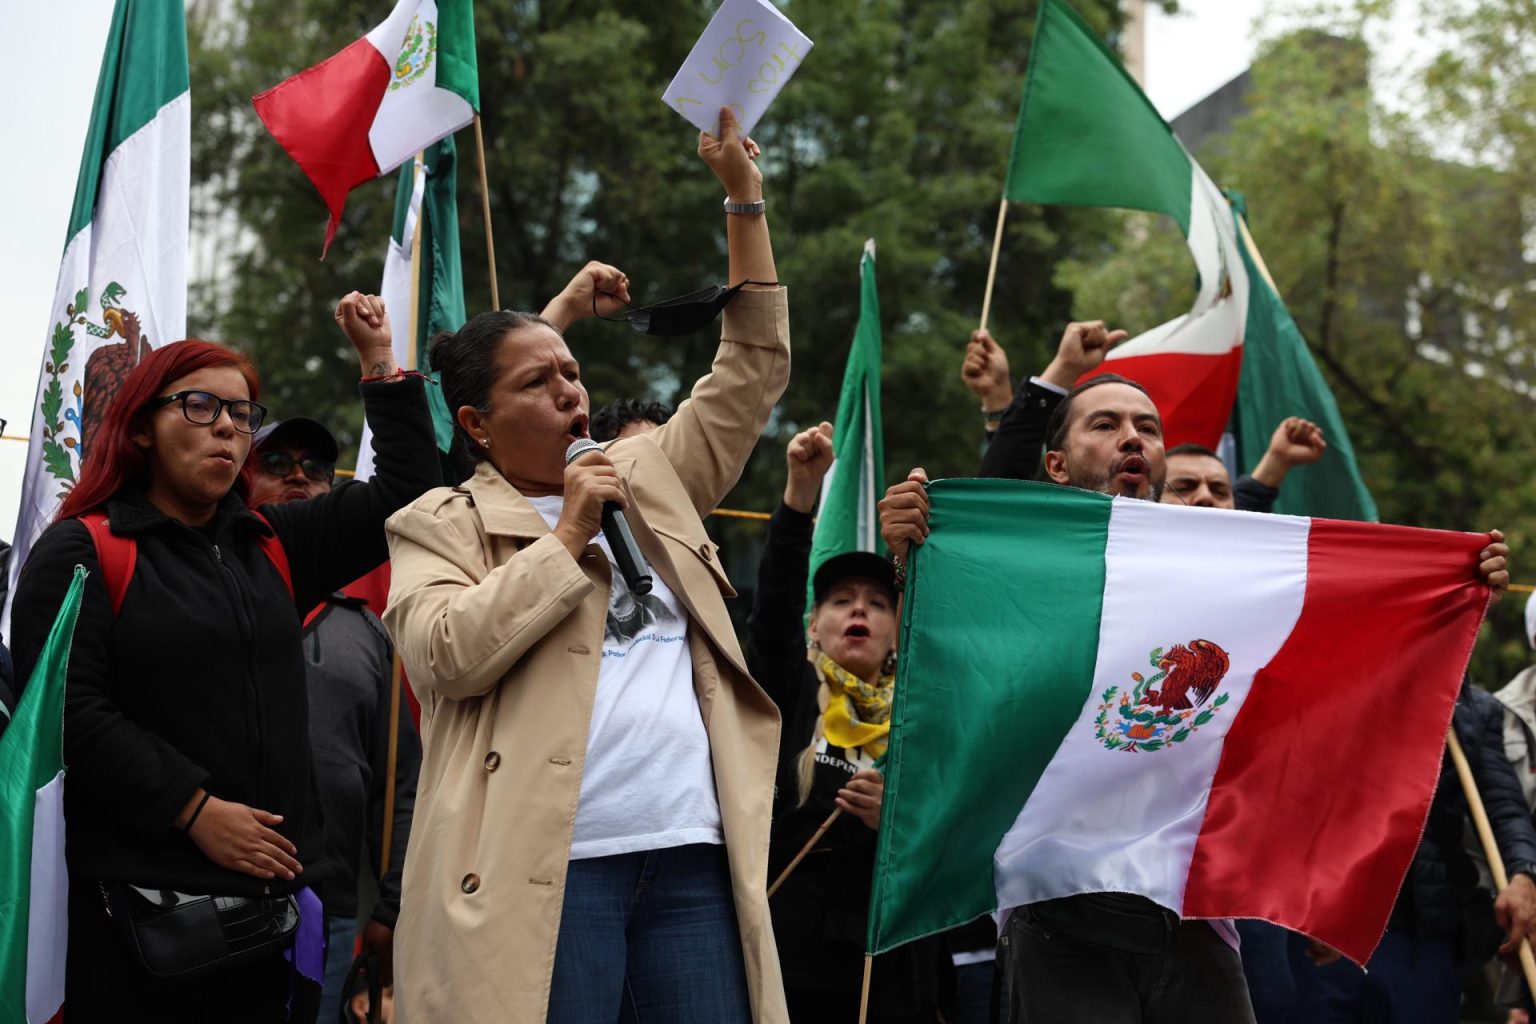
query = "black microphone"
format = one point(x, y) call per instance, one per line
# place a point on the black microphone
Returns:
point(637, 575)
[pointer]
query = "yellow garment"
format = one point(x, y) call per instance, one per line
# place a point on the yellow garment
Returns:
point(858, 714)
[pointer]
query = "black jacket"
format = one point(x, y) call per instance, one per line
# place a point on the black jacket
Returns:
point(1439, 897)
point(348, 657)
point(819, 913)
point(1014, 449)
point(200, 680)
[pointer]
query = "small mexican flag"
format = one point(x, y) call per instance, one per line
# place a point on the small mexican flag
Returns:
point(1183, 703)
point(34, 885)
point(848, 520)
point(426, 201)
point(374, 105)
point(1088, 136)
point(122, 284)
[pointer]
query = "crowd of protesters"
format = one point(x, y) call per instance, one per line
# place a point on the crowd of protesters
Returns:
point(606, 781)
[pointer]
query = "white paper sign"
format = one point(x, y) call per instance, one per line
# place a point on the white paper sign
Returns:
point(741, 61)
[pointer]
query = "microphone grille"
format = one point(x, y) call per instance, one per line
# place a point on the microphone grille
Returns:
point(580, 447)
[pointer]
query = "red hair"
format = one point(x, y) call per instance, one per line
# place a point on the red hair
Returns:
point(114, 461)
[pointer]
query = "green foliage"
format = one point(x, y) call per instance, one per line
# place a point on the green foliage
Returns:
point(53, 404)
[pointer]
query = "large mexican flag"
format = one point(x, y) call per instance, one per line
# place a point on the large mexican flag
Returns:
point(1184, 703)
point(365, 111)
point(848, 520)
point(122, 283)
point(34, 885)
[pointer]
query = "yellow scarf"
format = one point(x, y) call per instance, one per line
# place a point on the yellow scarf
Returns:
point(858, 715)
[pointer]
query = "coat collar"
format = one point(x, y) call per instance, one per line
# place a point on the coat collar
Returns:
point(131, 513)
point(504, 510)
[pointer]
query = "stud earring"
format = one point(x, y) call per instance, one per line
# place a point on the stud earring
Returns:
point(485, 442)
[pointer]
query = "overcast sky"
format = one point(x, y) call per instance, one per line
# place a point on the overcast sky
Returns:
point(51, 80)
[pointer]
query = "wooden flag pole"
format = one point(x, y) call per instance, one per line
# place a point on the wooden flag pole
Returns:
point(869, 965)
point(395, 670)
point(815, 838)
point(485, 211)
point(997, 247)
point(1490, 848)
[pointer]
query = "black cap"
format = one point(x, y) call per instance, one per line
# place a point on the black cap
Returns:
point(301, 432)
point(864, 564)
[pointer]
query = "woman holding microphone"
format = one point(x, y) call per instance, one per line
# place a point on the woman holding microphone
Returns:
point(592, 824)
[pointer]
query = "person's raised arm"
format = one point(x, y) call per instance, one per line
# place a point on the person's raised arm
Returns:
point(985, 372)
point(334, 539)
point(776, 628)
point(710, 437)
point(598, 289)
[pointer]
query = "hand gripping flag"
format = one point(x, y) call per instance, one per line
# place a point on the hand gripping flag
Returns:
point(1232, 715)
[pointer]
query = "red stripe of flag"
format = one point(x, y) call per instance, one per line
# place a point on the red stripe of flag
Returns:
point(1193, 393)
point(1295, 831)
point(322, 116)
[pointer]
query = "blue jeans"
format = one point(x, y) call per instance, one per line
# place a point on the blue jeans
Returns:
point(1407, 981)
point(650, 938)
point(340, 940)
point(1267, 966)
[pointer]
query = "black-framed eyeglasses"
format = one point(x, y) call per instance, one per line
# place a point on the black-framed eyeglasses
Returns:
point(280, 463)
point(204, 407)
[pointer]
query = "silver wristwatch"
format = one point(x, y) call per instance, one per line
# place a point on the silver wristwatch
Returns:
point(746, 209)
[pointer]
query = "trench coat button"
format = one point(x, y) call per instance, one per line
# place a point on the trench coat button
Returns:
point(579, 649)
point(492, 761)
point(705, 553)
point(470, 884)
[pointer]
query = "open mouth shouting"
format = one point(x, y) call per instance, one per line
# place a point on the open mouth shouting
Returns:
point(857, 633)
point(578, 429)
point(1131, 471)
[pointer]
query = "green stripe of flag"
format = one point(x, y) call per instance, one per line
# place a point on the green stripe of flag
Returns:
point(1087, 135)
point(1281, 379)
point(143, 68)
point(457, 68)
point(847, 519)
point(441, 272)
point(978, 702)
point(31, 756)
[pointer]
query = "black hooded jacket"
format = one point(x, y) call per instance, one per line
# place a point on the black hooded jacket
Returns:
point(200, 681)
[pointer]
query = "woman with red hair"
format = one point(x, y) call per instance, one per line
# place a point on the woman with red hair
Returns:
point(186, 729)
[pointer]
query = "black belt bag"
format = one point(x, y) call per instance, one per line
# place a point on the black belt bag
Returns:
point(181, 936)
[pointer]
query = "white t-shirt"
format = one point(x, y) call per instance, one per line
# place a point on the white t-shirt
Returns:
point(648, 783)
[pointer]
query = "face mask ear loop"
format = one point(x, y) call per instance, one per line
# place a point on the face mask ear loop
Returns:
point(610, 319)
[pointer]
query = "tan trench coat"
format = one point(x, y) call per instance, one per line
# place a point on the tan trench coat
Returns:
point(501, 632)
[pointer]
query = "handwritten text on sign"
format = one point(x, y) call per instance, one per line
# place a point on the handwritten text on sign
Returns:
point(741, 61)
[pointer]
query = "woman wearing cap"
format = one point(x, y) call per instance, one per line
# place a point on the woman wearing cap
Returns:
point(186, 718)
point(597, 784)
point(836, 705)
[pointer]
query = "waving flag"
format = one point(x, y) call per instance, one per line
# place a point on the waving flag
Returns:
point(848, 520)
point(34, 885)
point(1184, 703)
point(367, 110)
point(123, 280)
point(1088, 136)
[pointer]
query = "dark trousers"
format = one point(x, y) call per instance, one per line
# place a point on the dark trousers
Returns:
point(1408, 980)
point(105, 984)
point(649, 938)
point(1267, 965)
point(1195, 978)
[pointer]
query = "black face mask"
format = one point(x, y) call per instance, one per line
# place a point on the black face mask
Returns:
point(682, 315)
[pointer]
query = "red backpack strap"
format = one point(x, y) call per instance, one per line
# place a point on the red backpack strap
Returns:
point(272, 547)
point(117, 556)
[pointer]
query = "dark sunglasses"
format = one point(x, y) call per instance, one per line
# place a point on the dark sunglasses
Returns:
point(281, 464)
point(204, 408)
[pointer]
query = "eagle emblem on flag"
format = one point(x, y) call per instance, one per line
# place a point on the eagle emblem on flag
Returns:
point(1168, 707)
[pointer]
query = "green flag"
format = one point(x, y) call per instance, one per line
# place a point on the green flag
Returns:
point(848, 520)
point(1280, 379)
point(1087, 135)
point(425, 201)
point(34, 885)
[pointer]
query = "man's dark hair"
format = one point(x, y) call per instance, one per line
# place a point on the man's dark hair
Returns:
point(1056, 426)
point(465, 361)
point(615, 416)
point(1190, 448)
